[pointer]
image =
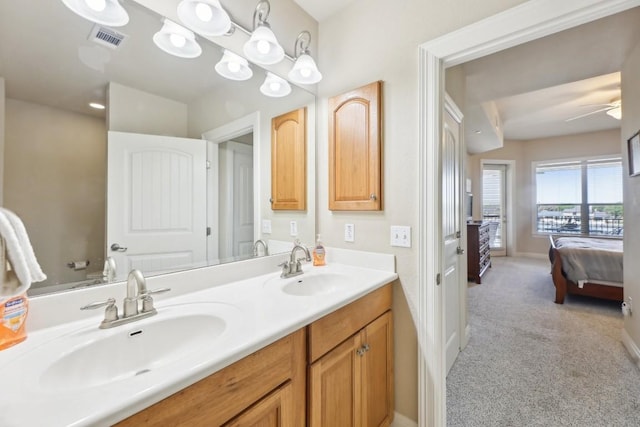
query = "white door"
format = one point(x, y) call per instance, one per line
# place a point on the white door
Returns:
point(242, 199)
point(494, 205)
point(236, 200)
point(156, 202)
point(451, 226)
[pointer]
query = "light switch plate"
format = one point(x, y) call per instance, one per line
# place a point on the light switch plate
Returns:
point(293, 228)
point(401, 236)
point(266, 226)
point(349, 233)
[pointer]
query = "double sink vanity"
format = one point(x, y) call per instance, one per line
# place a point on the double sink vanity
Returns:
point(230, 345)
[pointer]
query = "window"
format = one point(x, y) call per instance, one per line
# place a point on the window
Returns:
point(579, 197)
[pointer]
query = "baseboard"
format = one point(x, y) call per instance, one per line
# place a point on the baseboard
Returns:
point(402, 421)
point(631, 347)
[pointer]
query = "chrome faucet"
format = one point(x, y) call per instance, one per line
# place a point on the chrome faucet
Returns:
point(293, 267)
point(109, 271)
point(264, 245)
point(136, 292)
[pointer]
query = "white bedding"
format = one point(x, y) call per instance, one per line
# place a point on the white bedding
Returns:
point(586, 259)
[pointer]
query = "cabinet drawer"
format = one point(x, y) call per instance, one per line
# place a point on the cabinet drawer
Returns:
point(331, 330)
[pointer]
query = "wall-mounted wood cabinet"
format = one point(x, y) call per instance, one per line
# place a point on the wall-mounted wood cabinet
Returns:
point(289, 161)
point(355, 149)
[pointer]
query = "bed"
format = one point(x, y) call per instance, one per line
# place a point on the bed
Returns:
point(586, 266)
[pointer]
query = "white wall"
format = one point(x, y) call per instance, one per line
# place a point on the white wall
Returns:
point(135, 111)
point(630, 124)
point(377, 40)
point(523, 153)
point(55, 178)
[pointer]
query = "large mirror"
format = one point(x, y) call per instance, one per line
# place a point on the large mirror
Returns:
point(55, 148)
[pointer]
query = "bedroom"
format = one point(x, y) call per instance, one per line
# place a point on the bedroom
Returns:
point(522, 122)
point(592, 77)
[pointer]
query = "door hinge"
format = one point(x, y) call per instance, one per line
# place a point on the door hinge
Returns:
point(438, 279)
point(208, 231)
point(458, 234)
point(208, 164)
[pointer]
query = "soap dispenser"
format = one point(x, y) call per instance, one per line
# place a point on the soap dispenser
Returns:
point(319, 253)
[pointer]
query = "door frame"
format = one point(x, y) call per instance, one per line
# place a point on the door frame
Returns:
point(528, 21)
point(216, 136)
point(510, 175)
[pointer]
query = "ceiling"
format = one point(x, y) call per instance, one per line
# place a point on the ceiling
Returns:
point(529, 91)
point(322, 9)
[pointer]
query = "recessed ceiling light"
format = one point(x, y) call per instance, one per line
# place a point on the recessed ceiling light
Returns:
point(96, 105)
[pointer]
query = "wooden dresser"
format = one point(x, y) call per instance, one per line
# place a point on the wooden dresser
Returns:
point(478, 255)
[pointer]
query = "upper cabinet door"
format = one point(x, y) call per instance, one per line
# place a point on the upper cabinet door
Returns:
point(289, 161)
point(355, 150)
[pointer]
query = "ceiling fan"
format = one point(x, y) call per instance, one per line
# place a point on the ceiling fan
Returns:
point(613, 109)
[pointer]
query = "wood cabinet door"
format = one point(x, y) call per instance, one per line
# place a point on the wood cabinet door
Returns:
point(377, 372)
point(275, 410)
point(333, 382)
point(355, 149)
point(289, 161)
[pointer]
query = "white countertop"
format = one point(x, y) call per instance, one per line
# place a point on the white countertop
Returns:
point(262, 316)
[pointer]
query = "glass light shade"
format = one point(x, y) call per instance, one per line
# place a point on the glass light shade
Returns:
point(177, 40)
point(104, 12)
point(263, 47)
point(206, 17)
point(305, 70)
point(616, 113)
point(275, 87)
point(233, 67)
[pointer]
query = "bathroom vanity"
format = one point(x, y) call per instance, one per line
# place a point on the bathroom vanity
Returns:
point(314, 349)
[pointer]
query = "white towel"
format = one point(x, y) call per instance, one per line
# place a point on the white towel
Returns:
point(20, 254)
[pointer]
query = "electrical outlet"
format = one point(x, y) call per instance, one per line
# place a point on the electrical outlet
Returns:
point(293, 228)
point(266, 226)
point(401, 236)
point(349, 233)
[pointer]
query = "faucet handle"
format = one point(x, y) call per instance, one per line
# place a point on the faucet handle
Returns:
point(110, 313)
point(147, 301)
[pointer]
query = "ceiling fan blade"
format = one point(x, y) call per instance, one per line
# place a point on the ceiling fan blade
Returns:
point(589, 113)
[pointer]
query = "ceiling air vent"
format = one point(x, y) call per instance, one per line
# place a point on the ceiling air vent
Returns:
point(106, 36)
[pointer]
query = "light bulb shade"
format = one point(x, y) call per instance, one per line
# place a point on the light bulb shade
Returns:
point(206, 17)
point(172, 31)
point(616, 113)
point(234, 67)
point(111, 15)
point(263, 47)
point(305, 71)
point(275, 86)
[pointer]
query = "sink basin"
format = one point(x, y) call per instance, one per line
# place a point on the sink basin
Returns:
point(93, 357)
point(310, 284)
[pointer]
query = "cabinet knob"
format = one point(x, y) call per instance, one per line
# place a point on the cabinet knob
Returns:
point(372, 197)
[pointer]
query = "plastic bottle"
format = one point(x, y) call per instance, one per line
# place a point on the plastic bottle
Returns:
point(13, 316)
point(319, 253)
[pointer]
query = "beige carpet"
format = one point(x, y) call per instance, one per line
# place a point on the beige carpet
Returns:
point(531, 362)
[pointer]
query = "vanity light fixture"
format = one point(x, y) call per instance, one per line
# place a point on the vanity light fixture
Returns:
point(97, 105)
point(104, 12)
point(275, 86)
point(263, 47)
point(206, 17)
point(305, 70)
point(234, 67)
point(177, 40)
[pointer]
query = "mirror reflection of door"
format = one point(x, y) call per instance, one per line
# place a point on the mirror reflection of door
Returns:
point(236, 197)
point(156, 216)
point(494, 205)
